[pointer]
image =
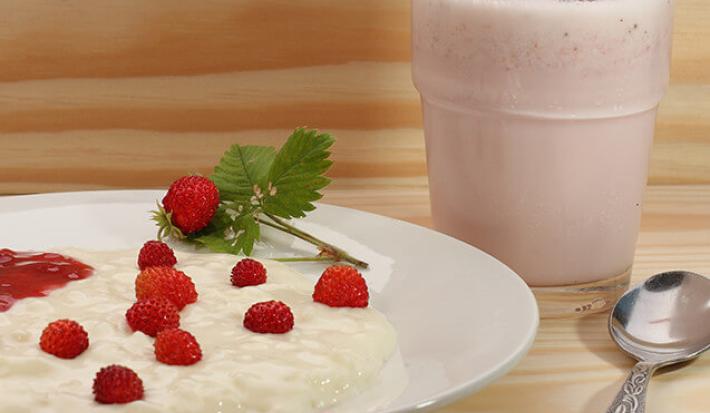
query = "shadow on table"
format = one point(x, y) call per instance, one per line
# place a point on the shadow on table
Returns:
point(593, 333)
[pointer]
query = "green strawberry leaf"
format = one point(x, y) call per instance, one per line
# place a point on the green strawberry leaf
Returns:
point(296, 174)
point(242, 173)
point(257, 179)
point(229, 233)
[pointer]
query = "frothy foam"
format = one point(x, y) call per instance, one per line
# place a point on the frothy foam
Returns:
point(544, 58)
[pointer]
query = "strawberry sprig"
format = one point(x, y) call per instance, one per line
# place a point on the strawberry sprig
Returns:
point(259, 185)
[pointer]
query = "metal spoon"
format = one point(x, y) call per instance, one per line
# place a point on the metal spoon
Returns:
point(663, 321)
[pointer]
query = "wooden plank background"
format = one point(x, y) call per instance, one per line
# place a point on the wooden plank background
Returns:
point(129, 93)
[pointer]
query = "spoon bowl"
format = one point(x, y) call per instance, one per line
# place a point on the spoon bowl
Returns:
point(663, 321)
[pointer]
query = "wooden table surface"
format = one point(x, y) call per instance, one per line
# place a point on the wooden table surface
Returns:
point(574, 367)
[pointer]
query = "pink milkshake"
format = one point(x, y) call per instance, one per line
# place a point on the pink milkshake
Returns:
point(539, 118)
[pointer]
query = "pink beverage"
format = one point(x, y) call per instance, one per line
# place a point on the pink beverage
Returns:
point(539, 118)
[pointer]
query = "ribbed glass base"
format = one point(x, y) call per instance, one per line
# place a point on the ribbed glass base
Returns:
point(572, 301)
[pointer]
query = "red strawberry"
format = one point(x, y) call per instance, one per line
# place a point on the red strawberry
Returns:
point(248, 272)
point(64, 338)
point(269, 317)
point(341, 286)
point(166, 282)
point(117, 384)
point(153, 315)
point(177, 347)
point(156, 254)
point(189, 205)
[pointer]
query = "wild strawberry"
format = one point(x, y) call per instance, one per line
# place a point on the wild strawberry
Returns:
point(153, 315)
point(177, 347)
point(248, 272)
point(189, 205)
point(117, 384)
point(269, 317)
point(64, 338)
point(341, 286)
point(166, 282)
point(156, 254)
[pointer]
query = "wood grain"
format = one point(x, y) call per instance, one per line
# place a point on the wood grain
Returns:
point(574, 367)
point(132, 93)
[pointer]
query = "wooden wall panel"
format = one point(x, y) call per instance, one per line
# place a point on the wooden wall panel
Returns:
point(131, 93)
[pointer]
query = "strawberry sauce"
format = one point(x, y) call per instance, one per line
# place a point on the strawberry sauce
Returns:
point(30, 274)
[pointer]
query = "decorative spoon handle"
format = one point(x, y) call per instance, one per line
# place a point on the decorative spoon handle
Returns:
point(632, 396)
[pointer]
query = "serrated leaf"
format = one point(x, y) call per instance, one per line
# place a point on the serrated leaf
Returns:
point(256, 179)
point(296, 174)
point(232, 236)
point(241, 169)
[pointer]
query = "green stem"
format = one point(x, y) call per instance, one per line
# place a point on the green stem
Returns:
point(331, 251)
point(304, 259)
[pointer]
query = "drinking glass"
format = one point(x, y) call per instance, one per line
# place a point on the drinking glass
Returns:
point(539, 120)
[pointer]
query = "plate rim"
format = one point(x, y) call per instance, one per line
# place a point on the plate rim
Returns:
point(437, 400)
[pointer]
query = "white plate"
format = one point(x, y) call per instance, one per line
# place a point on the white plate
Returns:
point(463, 319)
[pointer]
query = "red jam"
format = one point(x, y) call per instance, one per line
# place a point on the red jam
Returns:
point(31, 274)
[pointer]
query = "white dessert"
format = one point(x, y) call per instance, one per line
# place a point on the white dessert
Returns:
point(330, 354)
